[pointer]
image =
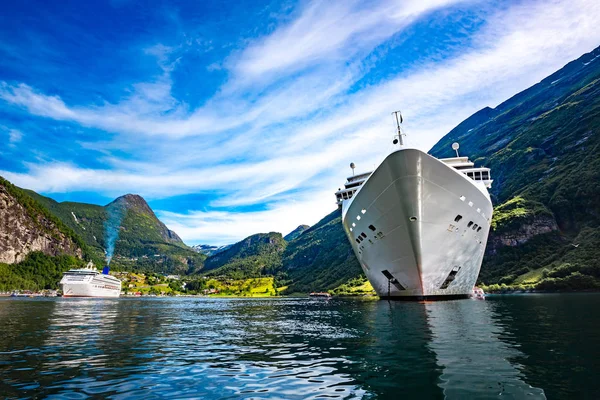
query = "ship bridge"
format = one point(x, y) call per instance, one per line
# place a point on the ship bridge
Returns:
point(353, 183)
point(463, 165)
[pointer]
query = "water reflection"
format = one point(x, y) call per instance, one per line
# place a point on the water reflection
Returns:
point(475, 361)
point(286, 348)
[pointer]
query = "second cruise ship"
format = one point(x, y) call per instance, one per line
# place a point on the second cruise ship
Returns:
point(417, 224)
point(89, 282)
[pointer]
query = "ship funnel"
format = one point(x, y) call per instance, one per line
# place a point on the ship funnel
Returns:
point(105, 270)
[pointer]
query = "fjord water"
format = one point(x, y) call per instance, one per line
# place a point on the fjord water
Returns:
point(534, 346)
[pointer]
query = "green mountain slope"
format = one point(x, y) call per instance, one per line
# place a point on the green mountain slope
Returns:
point(542, 146)
point(254, 256)
point(144, 242)
point(296, 233)
point(35, 246)
point(27, 226)
point(320, 259)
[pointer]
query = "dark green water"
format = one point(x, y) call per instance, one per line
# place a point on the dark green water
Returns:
point(533, 346)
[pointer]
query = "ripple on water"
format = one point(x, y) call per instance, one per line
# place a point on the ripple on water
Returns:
point(285, 348)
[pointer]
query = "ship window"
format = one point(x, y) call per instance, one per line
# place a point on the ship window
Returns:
point(363, 235)
point(475, 226)
point(458, 218)
point(485, 175)
point(478, 229)
point(363, 211)
point(469, 224)
point(470, 175)
point(357, 240)
point(371, 227)
point(478, 175)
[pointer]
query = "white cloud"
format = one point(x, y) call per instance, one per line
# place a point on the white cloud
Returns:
point(14, 136)
point(299, 134)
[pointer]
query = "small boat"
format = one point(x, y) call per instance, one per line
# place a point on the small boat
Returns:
point(478, 294)
point(320, 294)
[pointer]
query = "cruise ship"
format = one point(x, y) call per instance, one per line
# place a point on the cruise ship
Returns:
point(88, 282)
point(417, 224)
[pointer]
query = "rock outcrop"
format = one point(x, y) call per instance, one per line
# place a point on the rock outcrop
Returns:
point(522, 234)
point(24, 229)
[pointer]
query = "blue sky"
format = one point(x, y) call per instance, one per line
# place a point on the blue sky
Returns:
point(233, 118)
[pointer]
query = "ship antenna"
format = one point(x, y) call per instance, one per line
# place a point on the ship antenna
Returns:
point(399, 121)
point(455, 147)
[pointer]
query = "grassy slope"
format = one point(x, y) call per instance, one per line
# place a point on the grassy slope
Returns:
point(543, 147)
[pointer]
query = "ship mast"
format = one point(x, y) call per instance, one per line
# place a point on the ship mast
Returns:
point(399, 120)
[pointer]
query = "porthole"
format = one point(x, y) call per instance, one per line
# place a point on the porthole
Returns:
point(470, 224)
point(358, 217)
point(462, 198)
point(478, 229)
point(353, 224)
point(413, 219)
point(363, 235)
point(475, 226)
point(371, 227)
point(350, 229)
point(458, 218)
point(357, 241)
point(363, 211)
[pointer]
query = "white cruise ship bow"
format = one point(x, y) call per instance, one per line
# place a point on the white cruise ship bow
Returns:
point(419, 225)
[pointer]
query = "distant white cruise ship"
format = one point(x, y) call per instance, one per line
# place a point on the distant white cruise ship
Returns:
point(88, 282)
point(419, 225)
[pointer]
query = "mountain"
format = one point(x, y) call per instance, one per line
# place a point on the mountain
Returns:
point(295, 233)
point(256, 255)
point(26, 226)
point(144, 243)
point(542, 146)
point(209, 250)
point(35, 246)
point(319, 259)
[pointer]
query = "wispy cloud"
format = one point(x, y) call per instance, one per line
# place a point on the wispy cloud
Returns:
point(14, 136)
point(282, 128)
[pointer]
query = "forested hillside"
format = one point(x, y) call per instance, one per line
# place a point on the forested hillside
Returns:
point(144, 243)
point(255, 256)
point(35, 246)
point(319, 259)
point(542, 146)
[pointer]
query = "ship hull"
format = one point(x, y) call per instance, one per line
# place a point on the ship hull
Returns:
point(96, 287)
point(402, 224)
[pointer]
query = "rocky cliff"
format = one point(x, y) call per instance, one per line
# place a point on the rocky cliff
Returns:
point(25, 227)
